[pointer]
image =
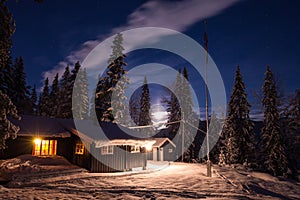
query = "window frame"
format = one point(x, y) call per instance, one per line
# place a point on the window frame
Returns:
point(79, 149)
point(135, 149)
point(107, 150)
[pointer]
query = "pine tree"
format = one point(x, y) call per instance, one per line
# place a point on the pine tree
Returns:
point(54, 97)
point(291, 129)
point(80, 101)
point(273, 149)
point(7, 129)
point(65, 107)
point(117, 48)
point(112, 108)
point(238, 126)
point(7, 29)
point(7, 78)
point(173, 107)
point(188, 116)
point(44, 101)
point(145, 105)
point(20, 96)
point(33, 100)
point(134, 106)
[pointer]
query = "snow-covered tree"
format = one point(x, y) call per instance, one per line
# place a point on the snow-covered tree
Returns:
point(238, 127)
point(80, 104)
point(114, 82)
point(7, 129)
point(273, 148)
point(7, 29)
point(117, 48)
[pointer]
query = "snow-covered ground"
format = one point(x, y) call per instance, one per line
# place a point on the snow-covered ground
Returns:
point(160, 181)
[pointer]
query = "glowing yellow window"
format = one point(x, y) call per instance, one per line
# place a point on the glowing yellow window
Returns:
point(79, 149)
point(44, 147)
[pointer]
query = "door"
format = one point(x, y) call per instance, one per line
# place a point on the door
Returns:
point(161, 154)
point(155, 154)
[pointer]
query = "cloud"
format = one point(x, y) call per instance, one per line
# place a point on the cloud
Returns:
point(176, 15)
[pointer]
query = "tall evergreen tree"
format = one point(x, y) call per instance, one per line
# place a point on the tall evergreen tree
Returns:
point(7, 108)
point(21, 92)
point(7, 29)
point(173, 107)
point(80, 96)
point(44, 101)
point(238, 126)
point(65, 108)
point(7, 78)
point(145, 105)
point(134, 106)
point(54, 97)
point(117, 48)
point(7, 129)
point(115, 83)
point(273, 149)
point(33, 100)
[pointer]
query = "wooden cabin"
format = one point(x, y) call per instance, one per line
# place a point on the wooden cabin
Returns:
point(113, 150)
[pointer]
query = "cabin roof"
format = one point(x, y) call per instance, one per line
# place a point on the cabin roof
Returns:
point(159, 142)
point(40, 127)
point(88, 130)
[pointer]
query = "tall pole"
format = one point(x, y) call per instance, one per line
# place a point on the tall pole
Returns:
point(206, 98)
point(182, 137)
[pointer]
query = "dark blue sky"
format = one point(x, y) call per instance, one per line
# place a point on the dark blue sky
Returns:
point(251, 33)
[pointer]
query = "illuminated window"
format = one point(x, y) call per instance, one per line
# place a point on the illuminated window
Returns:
point(135, 149)
point(44, 147)
point(107, 150)
point(79, 148)
point(170, 150)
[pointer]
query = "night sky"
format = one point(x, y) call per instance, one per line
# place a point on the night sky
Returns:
point(249, 33)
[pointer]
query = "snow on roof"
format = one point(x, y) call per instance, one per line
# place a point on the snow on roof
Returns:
point(159, 142)
point(40, 126)
point(88, 130)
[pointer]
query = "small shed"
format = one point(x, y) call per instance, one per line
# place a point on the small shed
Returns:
point(162, 150)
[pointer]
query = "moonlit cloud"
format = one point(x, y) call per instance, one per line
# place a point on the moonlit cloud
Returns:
point(179, 15)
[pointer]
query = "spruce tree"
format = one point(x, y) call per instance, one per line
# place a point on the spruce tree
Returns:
point(238, 126)
point(80, 101)
point(134, 106)
point(44, 101)
point(33, 100)
point(7, 129)
point(117, 48)
point(273, 149)
point(7, 78)
point(7, 29)
point(54, 97)
point(114, 82)
point(145, 105)
point(20, 96)
point(188, 116)
point(65, 106)
point(173, 107)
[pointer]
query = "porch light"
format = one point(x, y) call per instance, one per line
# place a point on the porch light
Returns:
point(37, 141)
point(149, 147)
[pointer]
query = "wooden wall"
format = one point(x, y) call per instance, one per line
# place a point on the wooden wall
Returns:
point(120, 160)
